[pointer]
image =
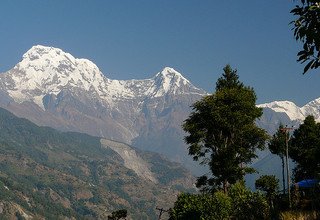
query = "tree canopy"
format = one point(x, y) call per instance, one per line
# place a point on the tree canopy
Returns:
point(240, 203)
point(222, 132)
point(307, 30)
point(304, 149)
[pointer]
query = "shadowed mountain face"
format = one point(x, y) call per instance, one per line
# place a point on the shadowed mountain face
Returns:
point(52, 88)
point(47, 173)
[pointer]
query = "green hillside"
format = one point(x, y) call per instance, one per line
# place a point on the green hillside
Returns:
point(51, 174)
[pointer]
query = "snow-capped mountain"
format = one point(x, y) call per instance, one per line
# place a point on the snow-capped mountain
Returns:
point(293, 111)
point(287, 113)
point(51, 87)
point(47, 70)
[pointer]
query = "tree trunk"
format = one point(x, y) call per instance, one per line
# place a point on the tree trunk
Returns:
point(225, 187)
point(283, 178)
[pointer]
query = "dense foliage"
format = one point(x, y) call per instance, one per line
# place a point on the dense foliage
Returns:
point(240, 203)
point(307, 30)
point(305, 149)
point(222, 131)
point(248, 205)
point(201, 206)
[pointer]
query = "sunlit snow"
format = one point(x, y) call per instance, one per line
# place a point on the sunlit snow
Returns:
point(47, 70)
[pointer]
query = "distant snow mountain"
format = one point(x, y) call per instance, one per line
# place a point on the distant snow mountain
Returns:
point(51, 87)
point(292, 110)
point(275, 113)
point(295, 113)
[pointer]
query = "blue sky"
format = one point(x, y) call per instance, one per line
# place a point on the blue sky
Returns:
point(137, 38)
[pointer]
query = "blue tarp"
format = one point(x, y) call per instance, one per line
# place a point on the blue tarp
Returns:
point(309, 183)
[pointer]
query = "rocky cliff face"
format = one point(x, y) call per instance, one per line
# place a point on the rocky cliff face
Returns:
point(51, 87)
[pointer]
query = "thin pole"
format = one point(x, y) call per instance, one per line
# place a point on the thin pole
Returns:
point(288, 175)
point(286, 130)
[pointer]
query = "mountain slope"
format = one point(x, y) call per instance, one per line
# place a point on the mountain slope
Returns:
point(46, 173)
point(51, 87)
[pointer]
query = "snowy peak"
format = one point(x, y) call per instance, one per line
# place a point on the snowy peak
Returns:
point(293, 111)
point(42, 57)
point(312, 108)
point(38, 51)
point(48, 70)
point(170, 81)
point(170, 73)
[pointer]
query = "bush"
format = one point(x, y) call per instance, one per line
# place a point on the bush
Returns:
point(246, 204)
point(201, 206)
point(239, 204)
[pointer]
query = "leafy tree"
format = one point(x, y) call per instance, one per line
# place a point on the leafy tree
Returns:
point(307, 30)
point(201, 207)
point(304, 149)
point(247, 205)
point(222, 131)
point(277, 145)
point(269, 184)
point(119, 214)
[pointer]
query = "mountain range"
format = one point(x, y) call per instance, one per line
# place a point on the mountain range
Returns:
point(52, 88)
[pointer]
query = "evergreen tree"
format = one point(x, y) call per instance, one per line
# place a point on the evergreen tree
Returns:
point(277, 145)
point(222, 131)
point(305, 149)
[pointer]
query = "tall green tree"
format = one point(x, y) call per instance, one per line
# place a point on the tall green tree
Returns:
point(304, 149)
point(277, 145)
point(222, 132)
point(307, 30)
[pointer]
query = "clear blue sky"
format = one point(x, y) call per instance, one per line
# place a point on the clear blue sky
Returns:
point(137, 38)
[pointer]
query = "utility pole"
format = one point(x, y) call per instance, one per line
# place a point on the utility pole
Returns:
point(286, 131)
